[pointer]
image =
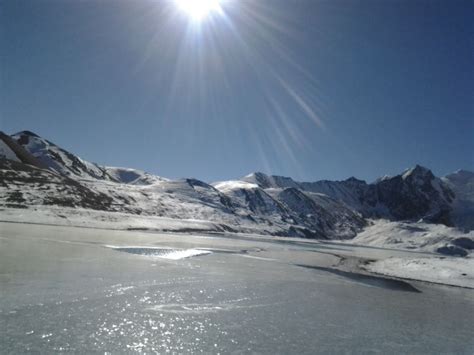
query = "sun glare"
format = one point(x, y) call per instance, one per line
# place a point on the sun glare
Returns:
point(198, 9)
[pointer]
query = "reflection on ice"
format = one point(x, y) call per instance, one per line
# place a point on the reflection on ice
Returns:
point(189, 308)
point(160, 252)
point(198, 308)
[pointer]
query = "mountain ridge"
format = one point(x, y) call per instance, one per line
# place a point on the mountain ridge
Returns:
point(268, 204)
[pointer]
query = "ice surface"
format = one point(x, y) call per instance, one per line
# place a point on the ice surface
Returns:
point(62, 291)
point(164, 253)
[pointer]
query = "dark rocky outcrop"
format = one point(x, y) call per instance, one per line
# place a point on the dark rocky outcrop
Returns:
point(452, 250)
point(464, 242)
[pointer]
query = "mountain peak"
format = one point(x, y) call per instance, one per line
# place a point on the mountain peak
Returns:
point(382, 178)
point(270, 181)
point(256, 174)
point(255, 177)
point(463, 172)
point(355, 180)
point(417, 171)
point(460, 177)
point(26, 133)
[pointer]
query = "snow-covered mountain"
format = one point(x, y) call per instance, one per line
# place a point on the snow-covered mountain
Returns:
point(305, 211)
point(65, 163)
point(11, 150)
point(349, 191)
point(58, 159)
point(35, 172)
point(131, 176)
point(332, 218)
point(23, 185)
point(414, 194)
point(461, 183)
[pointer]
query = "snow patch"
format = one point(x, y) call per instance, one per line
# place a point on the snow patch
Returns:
point(405, 235)
point(225, 186)
point(448, 271)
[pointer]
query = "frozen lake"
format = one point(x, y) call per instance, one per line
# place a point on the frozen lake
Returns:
point(89, 290)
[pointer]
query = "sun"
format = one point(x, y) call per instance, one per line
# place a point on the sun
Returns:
point(199, 9)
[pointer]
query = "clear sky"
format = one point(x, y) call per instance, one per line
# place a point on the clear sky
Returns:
point(305, 88)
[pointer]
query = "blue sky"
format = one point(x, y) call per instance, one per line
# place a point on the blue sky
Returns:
point(304, 88)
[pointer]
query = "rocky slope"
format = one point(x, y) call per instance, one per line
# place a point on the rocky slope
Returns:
point(55, 158)
point(414, 194)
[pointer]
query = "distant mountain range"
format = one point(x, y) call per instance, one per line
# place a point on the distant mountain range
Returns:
point(36, 172)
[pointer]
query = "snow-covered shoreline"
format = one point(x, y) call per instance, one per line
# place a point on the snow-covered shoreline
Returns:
point(408, 235)
point(449, 271)
point(418, 237)
point(396, 236)
point(80, 217)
